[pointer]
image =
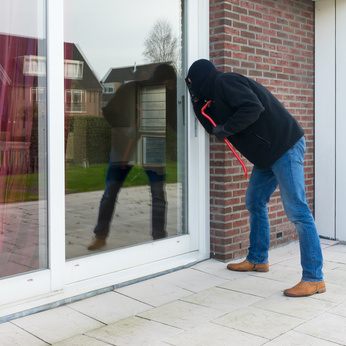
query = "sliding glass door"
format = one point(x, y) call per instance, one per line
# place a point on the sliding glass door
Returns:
point(125, 139)
point(98, 142)
point(23, 151)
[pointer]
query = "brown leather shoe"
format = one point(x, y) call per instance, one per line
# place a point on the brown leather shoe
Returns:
point(248, 266)
point(305, 288)
point(96, 244)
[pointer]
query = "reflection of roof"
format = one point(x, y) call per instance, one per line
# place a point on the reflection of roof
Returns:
point(130, 73)
point(13, 49)
point(89, 81)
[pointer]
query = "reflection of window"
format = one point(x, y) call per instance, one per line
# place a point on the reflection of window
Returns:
point(74, 69)
point(108, 88)
point(75, 100)
point(154, 150)
point(34, 65)
point(153, 106)
point(38, 95)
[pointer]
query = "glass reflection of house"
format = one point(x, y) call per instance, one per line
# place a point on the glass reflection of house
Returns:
point(83, 90)
point(22, 96)
point(87, 135)
point(22, 93)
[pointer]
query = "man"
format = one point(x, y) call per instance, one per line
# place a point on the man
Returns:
point(122, 114)
point(258, 125)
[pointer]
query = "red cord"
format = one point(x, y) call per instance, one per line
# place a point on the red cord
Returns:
point(226, 140)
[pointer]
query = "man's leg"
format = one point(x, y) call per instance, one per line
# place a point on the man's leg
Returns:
point(262, 184)
point(158, 196)
point(289, 171)
point(115, 177)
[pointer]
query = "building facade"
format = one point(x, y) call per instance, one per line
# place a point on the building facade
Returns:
point(65, 64)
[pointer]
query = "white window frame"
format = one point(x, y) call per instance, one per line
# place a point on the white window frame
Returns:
point(73, 69)
point(43, 287)
point(34, 65)
point(74, 107)
point(66, 279)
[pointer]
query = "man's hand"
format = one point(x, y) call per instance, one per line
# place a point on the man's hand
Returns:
point(220, 132)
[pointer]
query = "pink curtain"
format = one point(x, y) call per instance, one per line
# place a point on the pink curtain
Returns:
point(19, 212)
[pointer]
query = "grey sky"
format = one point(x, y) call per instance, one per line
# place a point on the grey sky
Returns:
point(111, 33)
point(22, 17)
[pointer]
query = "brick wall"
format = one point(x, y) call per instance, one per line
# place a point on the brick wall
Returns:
point(273, 43)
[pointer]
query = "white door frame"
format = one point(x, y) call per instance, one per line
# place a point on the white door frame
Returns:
point(104, 269)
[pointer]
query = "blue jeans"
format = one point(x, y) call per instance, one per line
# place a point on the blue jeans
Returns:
point(287, 173)
point(116, 175)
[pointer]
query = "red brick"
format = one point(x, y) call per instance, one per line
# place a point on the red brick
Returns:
point(260, 8)
point(239, 10)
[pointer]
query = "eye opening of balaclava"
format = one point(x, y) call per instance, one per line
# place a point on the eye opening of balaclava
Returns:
point(197, 74)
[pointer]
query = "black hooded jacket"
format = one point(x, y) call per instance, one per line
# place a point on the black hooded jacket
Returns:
point(261, 128)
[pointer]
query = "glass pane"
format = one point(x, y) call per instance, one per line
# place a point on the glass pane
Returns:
point(124, 132)
point(23, 192)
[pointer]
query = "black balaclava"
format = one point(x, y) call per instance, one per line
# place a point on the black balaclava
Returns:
point(198, 72)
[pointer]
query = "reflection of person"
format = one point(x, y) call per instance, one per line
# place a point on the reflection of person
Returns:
point(122, 114)
point(258, 125)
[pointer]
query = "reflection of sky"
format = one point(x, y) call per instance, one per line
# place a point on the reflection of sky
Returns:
point(22, 17)
point(110, 33)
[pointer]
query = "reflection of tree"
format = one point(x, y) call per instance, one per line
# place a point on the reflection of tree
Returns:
point(161, 45)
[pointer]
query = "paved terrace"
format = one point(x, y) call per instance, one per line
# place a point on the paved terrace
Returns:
point(23, 243)
point(205, 304)
point(131, 222)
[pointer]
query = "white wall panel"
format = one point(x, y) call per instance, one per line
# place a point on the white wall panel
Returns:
point(325, 118)
point(340, 119)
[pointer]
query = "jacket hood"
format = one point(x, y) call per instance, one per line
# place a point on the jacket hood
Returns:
point(198, 72)
point(208, 87)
